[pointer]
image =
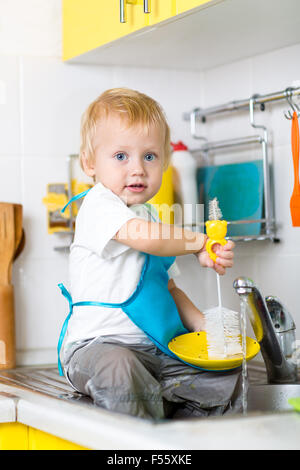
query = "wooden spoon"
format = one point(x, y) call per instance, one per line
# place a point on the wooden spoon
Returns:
point(18, 217)
point(20, 246)
point(7, 316)
point(7, 328)
point(7, 241)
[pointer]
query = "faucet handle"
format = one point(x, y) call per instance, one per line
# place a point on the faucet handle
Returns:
point(281, 318)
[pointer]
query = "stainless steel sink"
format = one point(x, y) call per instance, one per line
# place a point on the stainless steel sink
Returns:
point(272, 397)
point(262, 397)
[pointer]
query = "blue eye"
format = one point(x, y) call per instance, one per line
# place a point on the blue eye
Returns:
point(120, 156)
point(150, 157)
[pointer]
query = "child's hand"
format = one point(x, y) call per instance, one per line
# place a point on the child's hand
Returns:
point(224, 259)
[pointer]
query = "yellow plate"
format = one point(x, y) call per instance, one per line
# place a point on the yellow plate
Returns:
point(192, 348)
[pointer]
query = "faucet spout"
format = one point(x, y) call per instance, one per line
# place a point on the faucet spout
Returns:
point(279, 369)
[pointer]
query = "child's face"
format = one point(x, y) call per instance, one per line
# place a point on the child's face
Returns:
point(128, 160)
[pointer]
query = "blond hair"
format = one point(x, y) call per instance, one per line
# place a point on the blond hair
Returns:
point(135, 107)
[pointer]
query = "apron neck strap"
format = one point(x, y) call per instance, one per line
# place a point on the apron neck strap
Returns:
point(74, 198)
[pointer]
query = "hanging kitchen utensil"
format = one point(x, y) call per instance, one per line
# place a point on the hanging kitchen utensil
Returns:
point(18, 218)
point(295, 199)
point(20, 246)
point(7, 317)
point(7, 328)
point(19, 234)
point(7, 241)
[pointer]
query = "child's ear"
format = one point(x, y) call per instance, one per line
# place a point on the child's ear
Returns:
point(88, 165)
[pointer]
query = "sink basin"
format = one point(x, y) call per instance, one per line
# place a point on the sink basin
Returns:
point(272, 397)
point(262, 397)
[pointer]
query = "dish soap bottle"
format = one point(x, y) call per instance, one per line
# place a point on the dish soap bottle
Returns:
point(185, 182)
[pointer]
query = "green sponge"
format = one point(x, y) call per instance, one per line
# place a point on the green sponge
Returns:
point(295, 402)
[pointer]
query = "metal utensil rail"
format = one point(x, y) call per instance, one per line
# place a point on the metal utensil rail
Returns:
point(198, 114)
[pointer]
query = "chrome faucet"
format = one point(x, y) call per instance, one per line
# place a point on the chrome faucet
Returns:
point(274, 329)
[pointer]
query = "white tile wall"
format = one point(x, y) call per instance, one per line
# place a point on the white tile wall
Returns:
point(10, 179)
point(54, 97)
point(175, 90)
point(10, 142)
point(40, 114)
point(31, 27)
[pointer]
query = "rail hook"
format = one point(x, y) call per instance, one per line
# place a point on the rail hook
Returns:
point(289, 97)
point(193, 124)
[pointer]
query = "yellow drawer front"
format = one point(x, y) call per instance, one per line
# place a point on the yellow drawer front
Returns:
point(185, 5)
point(39, 440)
point(13, 436)
point(88, 24)
point(18, 436)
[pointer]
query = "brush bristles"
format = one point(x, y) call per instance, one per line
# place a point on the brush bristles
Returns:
point(223, 332)
point(214, 211)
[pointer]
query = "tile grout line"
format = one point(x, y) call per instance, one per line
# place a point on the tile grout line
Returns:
point(21, 124)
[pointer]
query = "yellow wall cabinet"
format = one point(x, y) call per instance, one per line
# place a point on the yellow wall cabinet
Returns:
point(18, 436)
point(90, 24)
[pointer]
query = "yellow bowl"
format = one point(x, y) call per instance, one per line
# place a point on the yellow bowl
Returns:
point(192, 348)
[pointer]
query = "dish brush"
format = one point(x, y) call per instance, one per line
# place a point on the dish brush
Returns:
point(222, 325)
point(223, 332)
point(216, 229)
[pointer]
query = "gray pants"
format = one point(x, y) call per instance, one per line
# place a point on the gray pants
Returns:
point(142, 381)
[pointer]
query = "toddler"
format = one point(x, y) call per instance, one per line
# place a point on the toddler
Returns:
point(125, 306)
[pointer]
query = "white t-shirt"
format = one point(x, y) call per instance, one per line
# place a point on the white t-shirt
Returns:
point(104, 270)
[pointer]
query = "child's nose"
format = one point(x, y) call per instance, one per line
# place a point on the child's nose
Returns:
point(137, 168)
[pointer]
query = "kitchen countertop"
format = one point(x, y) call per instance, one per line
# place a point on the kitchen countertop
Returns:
point(39, 397)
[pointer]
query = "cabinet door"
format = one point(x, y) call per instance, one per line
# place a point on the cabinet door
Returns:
point(184, 5)
point(88, 24)
point(160, 10)
point(39, 440)
point(18, 436)
point(13, 436)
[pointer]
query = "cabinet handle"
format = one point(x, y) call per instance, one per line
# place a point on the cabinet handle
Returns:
point(146, 6)
point(122, 11)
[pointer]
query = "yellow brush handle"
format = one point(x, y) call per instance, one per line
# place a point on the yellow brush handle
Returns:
point(209, 245)
point(216, 231)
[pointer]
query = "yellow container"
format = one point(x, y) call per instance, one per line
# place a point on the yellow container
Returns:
point(164, 199)
point(56, 198)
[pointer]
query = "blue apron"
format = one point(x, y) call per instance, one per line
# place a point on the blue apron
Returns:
point(151, 306)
